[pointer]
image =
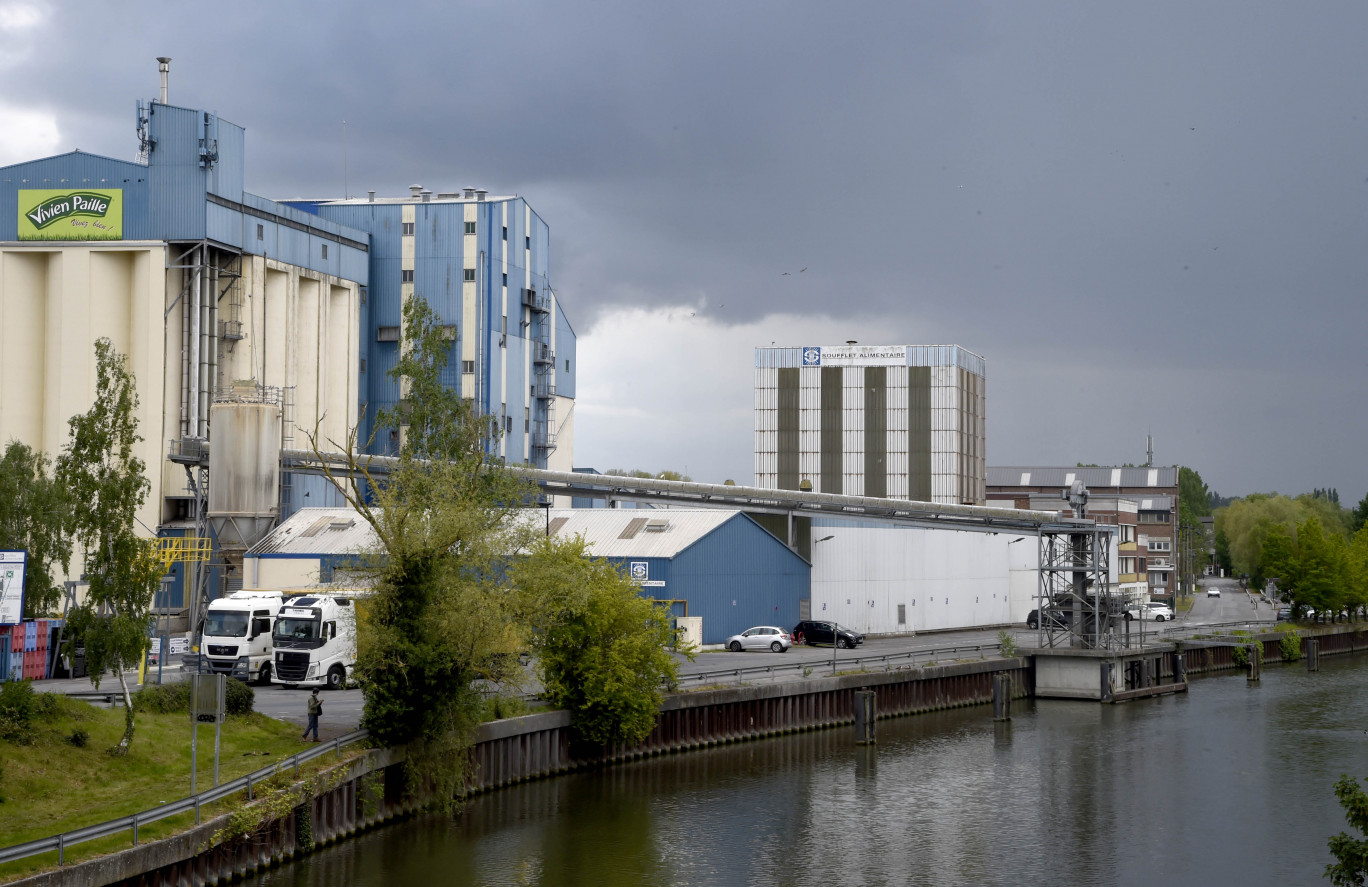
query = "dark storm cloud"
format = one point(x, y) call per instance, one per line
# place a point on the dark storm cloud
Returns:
point(1149, 217)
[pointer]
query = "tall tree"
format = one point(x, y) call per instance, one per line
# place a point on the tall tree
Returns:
point(447, 515)
point(100, 470)
point(34, 516)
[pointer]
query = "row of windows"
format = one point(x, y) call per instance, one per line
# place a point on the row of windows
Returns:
point(406, 229)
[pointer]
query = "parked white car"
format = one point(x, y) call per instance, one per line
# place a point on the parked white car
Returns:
point(762, 637)
point(1156, 610)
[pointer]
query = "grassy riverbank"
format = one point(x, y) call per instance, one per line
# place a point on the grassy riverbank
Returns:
point(57, 774)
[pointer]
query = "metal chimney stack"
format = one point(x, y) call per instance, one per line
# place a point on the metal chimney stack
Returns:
point(164, 65)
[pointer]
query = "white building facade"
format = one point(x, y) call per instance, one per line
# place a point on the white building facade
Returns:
point(894, 421)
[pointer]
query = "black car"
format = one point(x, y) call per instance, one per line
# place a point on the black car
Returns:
point(814, 631)
point(1053, 618)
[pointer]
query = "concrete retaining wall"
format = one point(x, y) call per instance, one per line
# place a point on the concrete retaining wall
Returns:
point(533, 747)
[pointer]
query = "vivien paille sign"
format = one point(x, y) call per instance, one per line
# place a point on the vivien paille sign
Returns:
point(85, 214)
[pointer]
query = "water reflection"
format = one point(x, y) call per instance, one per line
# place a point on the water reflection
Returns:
point(1227, 784)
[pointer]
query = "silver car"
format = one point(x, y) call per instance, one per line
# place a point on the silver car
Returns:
point(762, 637)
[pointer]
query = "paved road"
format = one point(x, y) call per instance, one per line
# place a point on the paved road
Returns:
point(342, 708)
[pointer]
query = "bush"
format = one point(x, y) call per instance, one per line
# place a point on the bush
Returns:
point(1240, 656)
point(174, 698)
point(79, 737)
point(1290, 647)
point(19, 708)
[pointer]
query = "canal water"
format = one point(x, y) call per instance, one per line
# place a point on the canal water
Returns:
point(1228, 784)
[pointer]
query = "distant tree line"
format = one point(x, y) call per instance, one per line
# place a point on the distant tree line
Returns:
point(1314, 549)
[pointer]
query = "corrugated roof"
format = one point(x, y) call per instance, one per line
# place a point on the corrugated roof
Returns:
point(662, 532)
point(610, 532)
point(318, 531)
point(1045, 476)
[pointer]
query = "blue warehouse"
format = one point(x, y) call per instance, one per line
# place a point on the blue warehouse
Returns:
point(716, 564)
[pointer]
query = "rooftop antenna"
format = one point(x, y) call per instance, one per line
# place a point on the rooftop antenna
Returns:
point(164, 66)
point(1149, 450)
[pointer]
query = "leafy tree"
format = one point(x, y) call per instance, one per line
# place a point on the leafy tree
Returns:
point(447, 515)
point(1194, 499)
point(33, 517)
point(1351, 854)
point(99, 469)
point(601, 650)
point(1359, 516)
point(1312, 566)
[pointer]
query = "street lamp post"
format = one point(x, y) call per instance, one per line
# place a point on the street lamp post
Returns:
point(835, 638)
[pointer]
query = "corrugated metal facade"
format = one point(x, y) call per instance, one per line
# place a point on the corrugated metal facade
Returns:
point(475, 281)
point(716, 564)
point(909, 423)
point(175, 198)
point(865, 571)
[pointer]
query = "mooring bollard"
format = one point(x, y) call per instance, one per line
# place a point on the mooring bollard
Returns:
point(1313, 654)
point(864, 717)
point(1255, 661)
point(1002, 696)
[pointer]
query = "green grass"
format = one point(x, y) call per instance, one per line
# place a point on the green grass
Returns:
point(51, 785)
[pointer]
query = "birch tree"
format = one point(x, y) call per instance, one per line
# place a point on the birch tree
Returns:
point(101, 471)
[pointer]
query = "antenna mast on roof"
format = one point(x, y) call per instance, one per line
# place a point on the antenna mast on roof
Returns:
point(1149, 450)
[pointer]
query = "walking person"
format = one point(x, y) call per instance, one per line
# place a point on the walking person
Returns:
point(315, 709)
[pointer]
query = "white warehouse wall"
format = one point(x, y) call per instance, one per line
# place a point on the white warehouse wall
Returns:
point(944, 578)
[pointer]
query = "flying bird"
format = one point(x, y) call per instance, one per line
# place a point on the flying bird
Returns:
point(802, 269)
point(786, 274)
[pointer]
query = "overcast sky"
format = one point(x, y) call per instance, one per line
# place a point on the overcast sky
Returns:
point(1149, 218)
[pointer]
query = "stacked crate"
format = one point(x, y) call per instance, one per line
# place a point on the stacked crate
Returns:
point(4, 652)
point(35, 649)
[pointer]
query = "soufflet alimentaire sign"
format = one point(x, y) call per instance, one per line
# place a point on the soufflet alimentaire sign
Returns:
point(87, 214)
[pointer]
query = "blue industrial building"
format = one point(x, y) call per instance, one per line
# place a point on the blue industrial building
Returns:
point(219, 296)
point(716, 564)
point(482, 262)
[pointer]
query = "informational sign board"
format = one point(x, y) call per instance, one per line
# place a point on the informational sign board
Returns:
point(854, 355)
point(72, 214)
point(640, 573)
point(208, 693)
point(12, 567)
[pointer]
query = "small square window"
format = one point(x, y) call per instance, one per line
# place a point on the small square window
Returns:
point(387, 334)
point(527, 242)
point(363, 364)
point(567, 366)
point(469, 274)
point(508, 424)
point(406, 229)
point(406, 276)
point(505, 279)
point(261, 232)
point(468, 366)
point(470, 227)
point(325, 250)
point(505, 233)
point(363, 295)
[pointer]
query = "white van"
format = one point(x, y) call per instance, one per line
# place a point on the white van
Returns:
point(237, 634)
point(315, 640)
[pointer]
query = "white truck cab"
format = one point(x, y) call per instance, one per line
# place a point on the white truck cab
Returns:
point(237, 634)
point(315, 640)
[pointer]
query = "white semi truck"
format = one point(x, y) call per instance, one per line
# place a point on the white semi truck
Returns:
point(315, 640)
point(237, 635)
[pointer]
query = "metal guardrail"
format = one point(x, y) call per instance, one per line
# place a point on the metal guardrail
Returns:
point(908, 659)
point(185, 805)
